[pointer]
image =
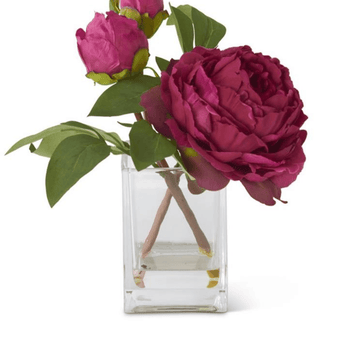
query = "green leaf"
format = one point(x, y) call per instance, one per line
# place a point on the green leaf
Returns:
point(73, 158)
point(110, 137)
point(123, 97)
point(208, 32)
point(162, 63)
point(78, 125)
point(32, 138)
point(115, 151)
point(54, 135)
point(148, 146)
point(184, 28)
point(50, 143)
point(125, 124)
point(121, 145)
point(186, 9)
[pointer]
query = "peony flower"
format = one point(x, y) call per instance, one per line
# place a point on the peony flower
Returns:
point(112, 47)
point(235, 115)
point(152, 7)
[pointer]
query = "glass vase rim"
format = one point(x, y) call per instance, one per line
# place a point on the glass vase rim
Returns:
point(127, 161)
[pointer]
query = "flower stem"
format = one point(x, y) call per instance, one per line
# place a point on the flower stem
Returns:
point(174, 191)
point(138, 116)
point(160, 215)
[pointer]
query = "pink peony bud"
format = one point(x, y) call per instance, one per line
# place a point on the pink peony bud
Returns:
point(109, 45)
point(152, 7)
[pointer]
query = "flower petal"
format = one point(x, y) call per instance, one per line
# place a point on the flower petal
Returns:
point(177, 134)
point(156, 112)
point(264, 192)
point(230, 100)
point(205, 174)
point(290, 169)
point(194, 188)
point(229, 139)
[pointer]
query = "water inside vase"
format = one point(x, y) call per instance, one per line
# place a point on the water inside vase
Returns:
point(176, 277)
point(175, 266)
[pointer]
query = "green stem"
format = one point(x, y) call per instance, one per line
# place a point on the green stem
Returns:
point(153, 70)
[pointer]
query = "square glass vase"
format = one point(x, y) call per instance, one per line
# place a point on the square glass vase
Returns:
point(165, 268)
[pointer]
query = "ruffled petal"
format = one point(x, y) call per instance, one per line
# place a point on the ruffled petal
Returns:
point(226, 73)
point(290, 170)
point(229, 139)
point(231, 101)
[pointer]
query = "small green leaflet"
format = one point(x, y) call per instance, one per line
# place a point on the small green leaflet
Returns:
point(124, 97)
point(73, 158)
point(125, 124)
point(207, 31)
point(148, 146)
point(162, 63)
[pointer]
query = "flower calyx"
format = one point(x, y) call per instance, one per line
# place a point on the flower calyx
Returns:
point(150, 25)
point(131, 13)
point(139, 63)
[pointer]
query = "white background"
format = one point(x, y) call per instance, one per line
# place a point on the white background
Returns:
point(61, 269)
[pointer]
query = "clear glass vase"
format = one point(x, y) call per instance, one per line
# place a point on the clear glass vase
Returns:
point(174, 274)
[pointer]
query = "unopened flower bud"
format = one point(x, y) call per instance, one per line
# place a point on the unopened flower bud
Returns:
point(151, 11)
point(152, 7)
point(112, 48)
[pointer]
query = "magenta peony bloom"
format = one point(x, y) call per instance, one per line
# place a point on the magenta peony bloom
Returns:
point(110, 44)
point(235, 115)
point(152, 7)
